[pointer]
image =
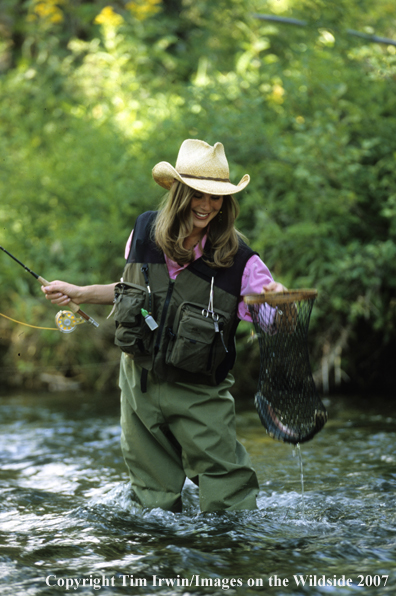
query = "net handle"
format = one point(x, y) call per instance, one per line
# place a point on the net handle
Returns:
point(274, 298)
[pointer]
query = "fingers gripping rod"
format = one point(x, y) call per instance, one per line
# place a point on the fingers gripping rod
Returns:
point(72, 305)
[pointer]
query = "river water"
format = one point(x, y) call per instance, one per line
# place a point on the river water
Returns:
point(67, 524)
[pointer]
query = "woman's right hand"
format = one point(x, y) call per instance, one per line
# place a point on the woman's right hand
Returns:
point(60, 293)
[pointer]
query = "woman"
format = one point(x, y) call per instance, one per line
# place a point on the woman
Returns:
point(176, 311)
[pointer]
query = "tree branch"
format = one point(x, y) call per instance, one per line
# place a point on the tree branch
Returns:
point(299, 23)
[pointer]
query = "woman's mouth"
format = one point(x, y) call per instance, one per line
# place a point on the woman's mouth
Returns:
point(201, 215)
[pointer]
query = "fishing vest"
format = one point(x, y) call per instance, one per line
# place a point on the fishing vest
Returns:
point(184, 329)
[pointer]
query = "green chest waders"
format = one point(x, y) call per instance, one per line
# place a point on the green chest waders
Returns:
point(179, 430)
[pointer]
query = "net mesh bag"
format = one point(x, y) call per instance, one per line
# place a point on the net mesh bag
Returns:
point(286, 400)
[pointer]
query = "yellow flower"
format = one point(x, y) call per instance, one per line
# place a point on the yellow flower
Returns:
point(47, 10)
point(143, 9)
point(108, 17)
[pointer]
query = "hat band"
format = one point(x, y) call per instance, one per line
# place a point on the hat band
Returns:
point(204, 178)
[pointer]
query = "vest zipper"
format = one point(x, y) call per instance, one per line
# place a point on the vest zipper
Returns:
point(163, 316)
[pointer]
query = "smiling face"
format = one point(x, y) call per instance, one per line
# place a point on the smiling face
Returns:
point(204, 208)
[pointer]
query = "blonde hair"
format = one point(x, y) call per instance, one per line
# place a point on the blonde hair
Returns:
point(174, 223)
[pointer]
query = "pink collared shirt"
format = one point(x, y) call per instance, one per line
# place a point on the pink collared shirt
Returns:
point(255, 275)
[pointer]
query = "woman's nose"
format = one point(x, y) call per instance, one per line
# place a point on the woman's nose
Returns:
point(205, 202)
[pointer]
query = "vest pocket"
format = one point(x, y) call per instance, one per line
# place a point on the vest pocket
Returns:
point(132, 334)
point(196, 345)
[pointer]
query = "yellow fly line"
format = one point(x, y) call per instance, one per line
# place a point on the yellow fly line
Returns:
point(27, 324)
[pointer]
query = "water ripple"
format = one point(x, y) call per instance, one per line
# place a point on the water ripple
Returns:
point(67, 509)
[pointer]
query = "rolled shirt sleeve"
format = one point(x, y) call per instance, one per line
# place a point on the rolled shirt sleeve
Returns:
point(128, 246)
point(256, 275)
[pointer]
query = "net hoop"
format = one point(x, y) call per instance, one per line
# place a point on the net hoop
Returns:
point(274, 298)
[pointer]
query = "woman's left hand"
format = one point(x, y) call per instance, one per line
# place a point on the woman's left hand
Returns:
point(286, 319)
point(274, 286)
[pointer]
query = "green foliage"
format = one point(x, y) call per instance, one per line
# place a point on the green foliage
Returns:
point(93, 94)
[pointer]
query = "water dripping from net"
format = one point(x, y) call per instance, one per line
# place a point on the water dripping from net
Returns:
point(297, 452)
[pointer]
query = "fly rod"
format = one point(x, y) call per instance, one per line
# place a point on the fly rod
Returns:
point(63, 322)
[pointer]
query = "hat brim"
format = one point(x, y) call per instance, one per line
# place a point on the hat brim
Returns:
point(164, 174)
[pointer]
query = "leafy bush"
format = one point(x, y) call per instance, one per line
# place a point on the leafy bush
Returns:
point(310, 112)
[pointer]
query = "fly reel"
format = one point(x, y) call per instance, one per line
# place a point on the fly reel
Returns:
point(67, 321)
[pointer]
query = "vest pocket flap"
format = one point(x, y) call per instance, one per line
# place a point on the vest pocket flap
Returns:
point(132, 334)
point(128, 302)
point(195, 345)
point(196, 327)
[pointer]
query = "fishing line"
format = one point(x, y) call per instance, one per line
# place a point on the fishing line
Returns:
point(27, 324)
point(65, 320)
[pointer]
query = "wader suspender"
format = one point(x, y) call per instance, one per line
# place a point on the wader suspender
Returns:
point(143, 380)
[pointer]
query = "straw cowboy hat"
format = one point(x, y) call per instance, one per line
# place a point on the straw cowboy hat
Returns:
point(200, 166)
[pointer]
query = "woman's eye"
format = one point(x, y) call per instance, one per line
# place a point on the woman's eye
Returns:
point(212, 197)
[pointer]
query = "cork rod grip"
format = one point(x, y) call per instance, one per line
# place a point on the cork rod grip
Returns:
point(72, 305)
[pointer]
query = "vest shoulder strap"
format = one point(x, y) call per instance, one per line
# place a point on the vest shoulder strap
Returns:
point(143, 248)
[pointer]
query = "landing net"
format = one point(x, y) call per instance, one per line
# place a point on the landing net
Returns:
point(286, 400)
